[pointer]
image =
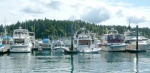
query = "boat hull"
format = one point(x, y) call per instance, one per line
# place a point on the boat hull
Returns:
point(143, 47)
point(91, 50)
point(58, 49)
point(121, 47)
point(20, 48)
point(88, 49)
point(4, 48)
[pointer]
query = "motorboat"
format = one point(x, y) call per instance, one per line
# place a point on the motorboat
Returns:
point(130, 39)
point(32, 38)
point(5, 42)
point(46, 43)
point(1, 46)
point(58, 46)
point(113, 41)
point(85, 41)
point(21, 41)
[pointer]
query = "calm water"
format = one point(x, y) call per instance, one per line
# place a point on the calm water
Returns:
point(46, 62)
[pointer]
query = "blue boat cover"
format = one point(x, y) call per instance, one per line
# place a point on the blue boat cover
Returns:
point(45, 40)
point(6, 37)
point(1, 45)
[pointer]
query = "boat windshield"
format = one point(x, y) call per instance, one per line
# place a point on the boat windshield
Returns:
point(5, 42)
point(132, 34)
point(20, 33)
point(19, 41)
point(115, 38)
point(31, 34)
point(84, 42)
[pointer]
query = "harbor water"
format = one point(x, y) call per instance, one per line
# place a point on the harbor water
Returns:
point(44, 61)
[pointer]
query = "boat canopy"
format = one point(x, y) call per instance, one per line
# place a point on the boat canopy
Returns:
point(1, 45)
point(45, 40)
point(6, 37)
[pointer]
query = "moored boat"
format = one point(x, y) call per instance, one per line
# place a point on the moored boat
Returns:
point(113, 41)
point(130, 39)
point(21, 41)
point(86, 41)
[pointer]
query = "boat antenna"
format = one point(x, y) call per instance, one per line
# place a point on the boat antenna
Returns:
point(5, 35)
point(34, 28)
point(106, 30)
point(129, 27)
point(5, 29)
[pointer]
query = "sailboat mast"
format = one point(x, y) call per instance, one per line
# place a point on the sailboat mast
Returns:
point(5, 29)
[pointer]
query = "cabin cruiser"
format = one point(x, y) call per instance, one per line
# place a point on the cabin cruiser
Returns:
point(21, 41)
point(86, 41)
point(58, 46)
point(130, 39)
point(113, 41)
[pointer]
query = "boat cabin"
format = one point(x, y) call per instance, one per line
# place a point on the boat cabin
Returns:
point(112, 38)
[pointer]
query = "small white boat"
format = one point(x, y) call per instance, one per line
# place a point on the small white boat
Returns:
point(130, 39)
point(86, 41)
point(58, 46)
point(32, 38)
point(112, 41)
point(2, 49)
point(6, 42)
point(21, 41)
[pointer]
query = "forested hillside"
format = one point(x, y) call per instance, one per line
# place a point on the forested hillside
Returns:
point(60, 28)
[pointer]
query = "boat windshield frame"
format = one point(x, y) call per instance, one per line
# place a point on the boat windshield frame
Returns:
point(84, 42)
point(115, 38)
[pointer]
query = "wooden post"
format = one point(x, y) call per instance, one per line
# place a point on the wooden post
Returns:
point(137, 37)
point(71, 37)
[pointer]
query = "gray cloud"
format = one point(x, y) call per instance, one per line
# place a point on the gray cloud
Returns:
point(32, 10)
point(119, 13)
point(96, 15)
point(54, 5)
point(72, 18)
point(134, 19)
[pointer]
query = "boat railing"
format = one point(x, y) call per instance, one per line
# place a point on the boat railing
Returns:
point(112, 31)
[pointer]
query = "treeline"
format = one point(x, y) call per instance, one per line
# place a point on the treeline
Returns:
point(45, 28)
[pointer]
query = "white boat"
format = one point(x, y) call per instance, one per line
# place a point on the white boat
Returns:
point(130, 39)
point(86, 41)
point(67, 42)
point(21, 41)
point(46, 43)
point(32, 38)
point(112, 41)
point(6, 42)
point(58, 46)
point(1, 46)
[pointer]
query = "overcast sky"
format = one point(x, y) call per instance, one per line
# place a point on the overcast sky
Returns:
point(101, 12)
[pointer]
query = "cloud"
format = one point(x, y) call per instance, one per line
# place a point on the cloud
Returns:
point(95, 15)
point(33, 7)
point(136, 20)
point(54, 5)
point(119, 13)
point(72, 18)
point(32, 10)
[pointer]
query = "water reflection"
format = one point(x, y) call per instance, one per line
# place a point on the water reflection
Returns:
point(121, 61)
point(72, 64)
point(48, 62)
